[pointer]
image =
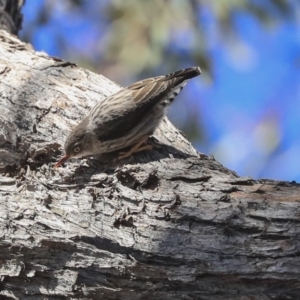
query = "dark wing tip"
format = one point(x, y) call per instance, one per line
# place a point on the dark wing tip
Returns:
point(190, 72)
point(195, 70)
point(184, 74)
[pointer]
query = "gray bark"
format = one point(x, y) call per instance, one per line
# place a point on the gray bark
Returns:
point(165, 224)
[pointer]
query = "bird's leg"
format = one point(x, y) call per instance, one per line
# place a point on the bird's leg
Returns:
point(136, 148)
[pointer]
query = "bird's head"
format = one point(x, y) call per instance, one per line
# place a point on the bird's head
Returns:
point(77, 143)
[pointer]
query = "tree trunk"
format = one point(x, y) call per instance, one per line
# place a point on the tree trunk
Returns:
point(164, 224)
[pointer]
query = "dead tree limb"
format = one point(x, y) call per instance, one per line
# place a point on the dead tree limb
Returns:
point(166, 224)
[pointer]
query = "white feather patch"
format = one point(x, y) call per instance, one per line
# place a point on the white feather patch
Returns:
point(173, 93)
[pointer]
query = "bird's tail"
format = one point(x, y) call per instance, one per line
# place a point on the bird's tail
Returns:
point(176, 81)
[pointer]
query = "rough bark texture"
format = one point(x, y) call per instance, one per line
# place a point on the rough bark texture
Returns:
point(165, 224)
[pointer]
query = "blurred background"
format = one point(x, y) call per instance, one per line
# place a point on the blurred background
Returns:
point(245, 107)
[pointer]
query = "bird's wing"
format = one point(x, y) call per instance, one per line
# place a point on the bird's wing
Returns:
point(122, 111)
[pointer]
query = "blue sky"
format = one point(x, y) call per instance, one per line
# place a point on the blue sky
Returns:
point(257, 92)
point(249, 114)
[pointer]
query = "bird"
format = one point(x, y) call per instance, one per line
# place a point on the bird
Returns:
point(127, 118)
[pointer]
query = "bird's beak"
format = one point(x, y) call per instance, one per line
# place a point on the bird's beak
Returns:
point(64, 159)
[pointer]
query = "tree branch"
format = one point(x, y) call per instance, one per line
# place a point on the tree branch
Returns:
point(165, 224)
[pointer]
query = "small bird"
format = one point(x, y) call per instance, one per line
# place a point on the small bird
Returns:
point(126, 118)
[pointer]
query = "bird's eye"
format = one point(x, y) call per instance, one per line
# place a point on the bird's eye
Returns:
point(76, 149)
